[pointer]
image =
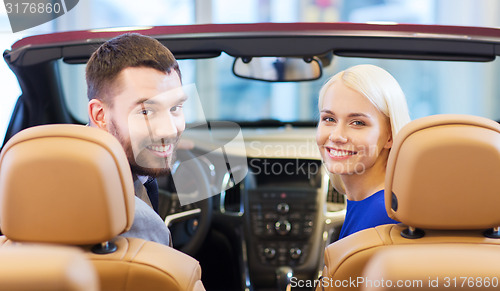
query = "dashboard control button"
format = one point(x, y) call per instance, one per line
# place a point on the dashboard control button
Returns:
point(269, 253)
point(282, 208)
point(295, 253)
point(282, 227)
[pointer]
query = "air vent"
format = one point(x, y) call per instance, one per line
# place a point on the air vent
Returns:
point(334, 200)
point(334, 196)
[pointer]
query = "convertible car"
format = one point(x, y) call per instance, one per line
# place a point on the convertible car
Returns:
point(269, 209)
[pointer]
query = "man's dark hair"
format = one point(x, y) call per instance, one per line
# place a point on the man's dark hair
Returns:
point(121, 52)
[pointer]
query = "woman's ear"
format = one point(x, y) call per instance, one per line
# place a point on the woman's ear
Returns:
point(388, 144)
point(97, 114)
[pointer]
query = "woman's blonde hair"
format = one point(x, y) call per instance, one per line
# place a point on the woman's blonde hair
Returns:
point(383, 91)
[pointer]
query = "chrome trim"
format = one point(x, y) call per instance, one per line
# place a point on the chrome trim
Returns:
point(246, 271)
point(228, 182)
point(181, 215)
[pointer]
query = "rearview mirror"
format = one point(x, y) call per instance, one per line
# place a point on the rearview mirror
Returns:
point(278, 69)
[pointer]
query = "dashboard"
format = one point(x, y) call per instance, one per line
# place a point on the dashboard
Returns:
point(280, 203)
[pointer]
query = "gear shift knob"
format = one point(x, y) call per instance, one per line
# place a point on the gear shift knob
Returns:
point(284, 275)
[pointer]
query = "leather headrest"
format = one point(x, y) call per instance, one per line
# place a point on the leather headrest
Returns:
point(68, 184)
point(443, 172)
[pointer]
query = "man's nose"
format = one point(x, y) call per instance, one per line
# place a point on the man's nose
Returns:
point(165, 126)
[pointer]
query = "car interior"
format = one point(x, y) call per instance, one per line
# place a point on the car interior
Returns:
point(270, 216)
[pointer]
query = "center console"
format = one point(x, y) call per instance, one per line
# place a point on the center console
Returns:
point(283, 222)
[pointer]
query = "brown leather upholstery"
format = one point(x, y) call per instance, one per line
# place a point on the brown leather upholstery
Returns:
point(46, 268)
point(443, 171)
point(72, 172)
point(71, 184)
point(408, 267)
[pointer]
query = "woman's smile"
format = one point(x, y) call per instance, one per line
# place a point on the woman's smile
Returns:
point(339, 154)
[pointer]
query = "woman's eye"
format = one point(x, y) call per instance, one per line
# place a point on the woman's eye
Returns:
point(358, 123)
point(328, 119)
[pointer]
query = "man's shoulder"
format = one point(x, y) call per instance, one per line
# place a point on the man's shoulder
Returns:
point(148, 224)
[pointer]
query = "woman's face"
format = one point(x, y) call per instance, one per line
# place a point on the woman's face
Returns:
point(353, 135)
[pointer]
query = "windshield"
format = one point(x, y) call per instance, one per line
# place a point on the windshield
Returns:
point(431, 87)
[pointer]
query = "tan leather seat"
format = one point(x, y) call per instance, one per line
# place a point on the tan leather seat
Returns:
point(72, 185)
point(442, 183)
point(46, 268)
point(433, 267)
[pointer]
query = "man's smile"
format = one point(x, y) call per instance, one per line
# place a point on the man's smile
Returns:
point(161, 151)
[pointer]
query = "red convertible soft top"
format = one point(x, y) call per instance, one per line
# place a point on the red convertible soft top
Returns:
point(259, 28)
point(397, 41)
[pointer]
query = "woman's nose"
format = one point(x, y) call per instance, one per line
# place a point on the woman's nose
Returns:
point(338, 135)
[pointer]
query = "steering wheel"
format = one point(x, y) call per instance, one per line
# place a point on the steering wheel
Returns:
point(189, 224)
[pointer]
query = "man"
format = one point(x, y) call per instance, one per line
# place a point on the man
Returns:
point(134, 91)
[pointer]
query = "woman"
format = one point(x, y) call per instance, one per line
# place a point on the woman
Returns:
point(361, 109)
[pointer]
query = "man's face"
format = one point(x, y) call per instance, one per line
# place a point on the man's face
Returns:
point(147, 118)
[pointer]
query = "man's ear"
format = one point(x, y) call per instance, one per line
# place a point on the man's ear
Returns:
point(97, 114)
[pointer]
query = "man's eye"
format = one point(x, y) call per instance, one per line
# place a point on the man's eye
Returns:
point(146, 112)
point(175, 108)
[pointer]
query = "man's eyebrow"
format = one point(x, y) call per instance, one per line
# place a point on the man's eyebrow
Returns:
point(153, 100)
point(144, 100)
point(183, 98)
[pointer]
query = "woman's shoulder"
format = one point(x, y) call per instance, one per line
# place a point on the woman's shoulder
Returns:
point(374, 198)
